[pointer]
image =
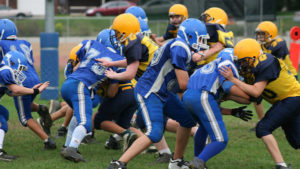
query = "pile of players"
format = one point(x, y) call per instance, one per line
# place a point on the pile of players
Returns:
point(174, 85)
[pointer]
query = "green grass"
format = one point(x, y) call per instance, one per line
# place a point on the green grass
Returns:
point(244, 150)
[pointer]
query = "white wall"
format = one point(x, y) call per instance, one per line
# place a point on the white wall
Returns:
point(36, 7)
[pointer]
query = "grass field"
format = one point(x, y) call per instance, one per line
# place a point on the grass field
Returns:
point(244, 150)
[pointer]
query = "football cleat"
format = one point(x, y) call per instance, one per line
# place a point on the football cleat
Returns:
point(54, 105)
point(71, 153)
point(163, 158)
point(128, 139)
point(6, 157)
point(112, 143)
point(88, 139)
point(282, 167)
point(179, 163)
point(61, 132)
point(45, 116)
point(50, 144)
point(42, 124)
point(197, 163)
point(114, 164)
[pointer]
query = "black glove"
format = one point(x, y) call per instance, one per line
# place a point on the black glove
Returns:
point(241, 113)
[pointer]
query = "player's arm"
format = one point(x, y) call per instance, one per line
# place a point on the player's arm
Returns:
point(107, 63)
point(129, 74)
point(254, 90)
point(182, 78)
point(20, 90)
point(215, 48)
point(159, 40)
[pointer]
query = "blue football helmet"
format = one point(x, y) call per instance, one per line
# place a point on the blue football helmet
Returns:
point(194, 32)
point(8, 29)
point(137, 12)
point(144, 27)
point(18, 62)
point(107, 38)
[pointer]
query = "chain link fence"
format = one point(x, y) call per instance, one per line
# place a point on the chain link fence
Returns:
point(91, 26)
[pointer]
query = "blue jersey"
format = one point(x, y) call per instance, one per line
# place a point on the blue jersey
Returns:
point(25, 48)
point(160, 76)
point(6, 77)
point(90, 72)
point(208, 77)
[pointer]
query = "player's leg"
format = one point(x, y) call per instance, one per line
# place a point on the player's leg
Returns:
point(152, 111)
point(176, 110)
point(23, 106)
point(3, 129)
point(79, 98)
point(280, 114)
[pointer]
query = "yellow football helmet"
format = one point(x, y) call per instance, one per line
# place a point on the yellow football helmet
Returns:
point(215, 15)
point(177, 10)
point(125, 25)
point(266, 31)
point(73, 55)
point(247, 51)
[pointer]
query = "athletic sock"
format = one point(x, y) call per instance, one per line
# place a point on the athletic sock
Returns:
point(72, 126)
point(78, 134)
point(2, 135)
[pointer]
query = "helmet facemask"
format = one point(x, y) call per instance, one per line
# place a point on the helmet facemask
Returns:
point(115, 42)
point(263, 37)
point(176, 20)
point(245, 66)
point(18, 69)
point(206, 18)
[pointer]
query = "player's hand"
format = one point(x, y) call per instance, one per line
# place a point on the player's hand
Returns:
point(241, 113)
point(197, 57)
point(110, 73)
point(226, 72)
point(37, 86)
point(43, 86)
point(104, 62)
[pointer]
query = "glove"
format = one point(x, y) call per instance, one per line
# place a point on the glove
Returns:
point(241, 113)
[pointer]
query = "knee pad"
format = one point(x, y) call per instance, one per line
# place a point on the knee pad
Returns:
point(3, 123)
point(155, 134)
point(262, 130)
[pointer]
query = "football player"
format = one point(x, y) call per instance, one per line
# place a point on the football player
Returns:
point(11, 76)
point(153, 89)
point(201, 98)
point(83, 81)
point(177, 14)
point(138, 49)
point(273, 81)
point(115, 112)
point(219, 38)
point(266, 35)
point(138, 12)
point(24, 104)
